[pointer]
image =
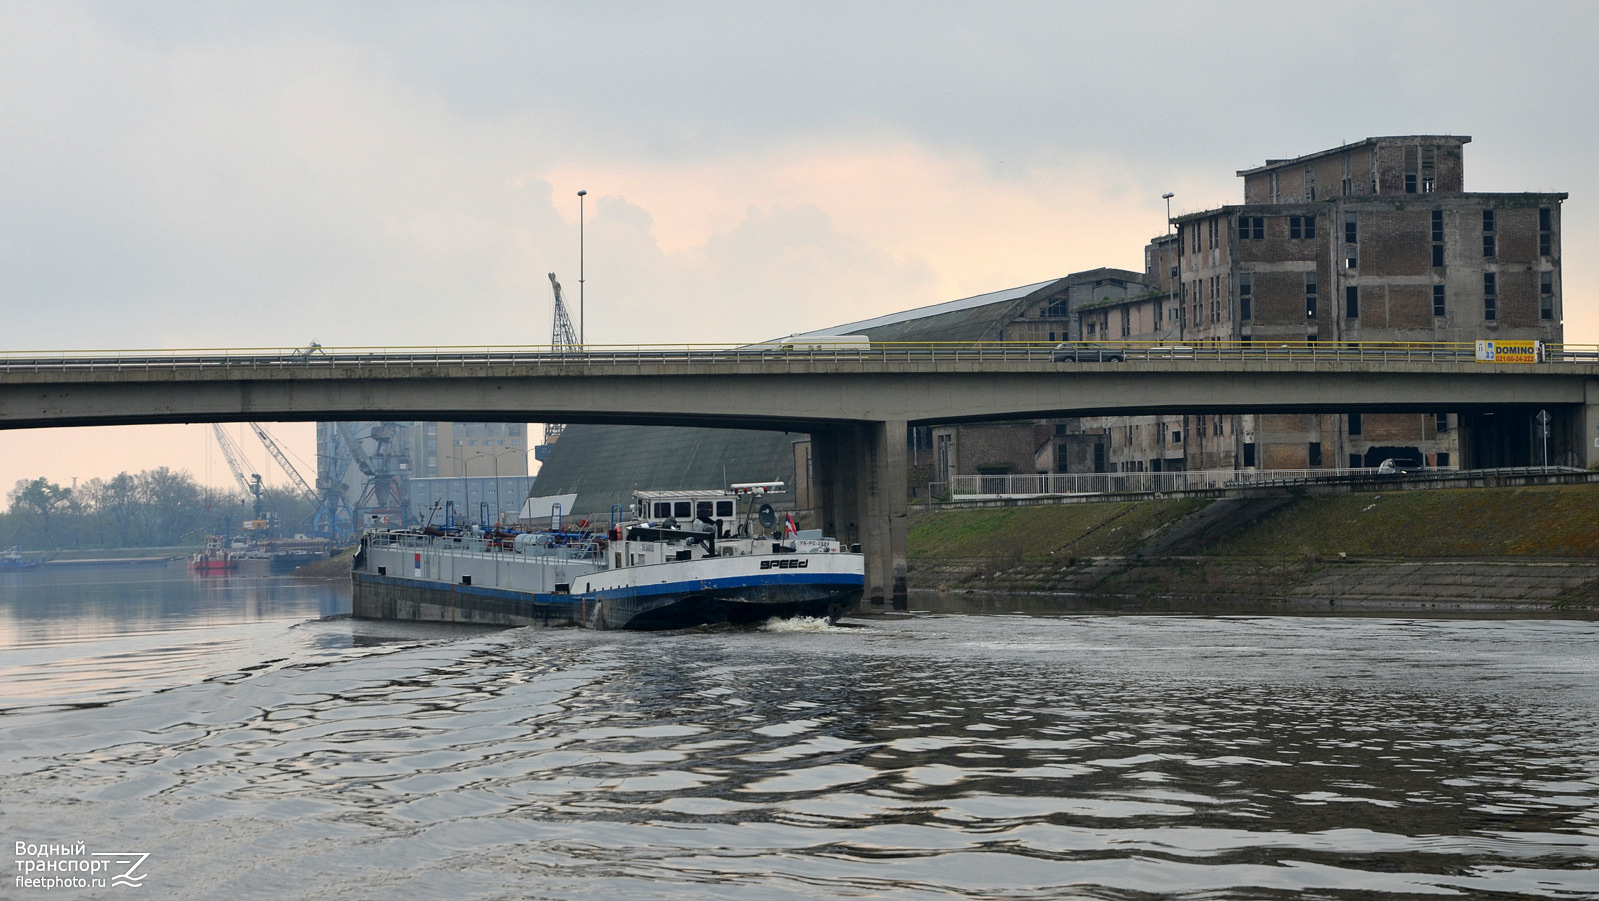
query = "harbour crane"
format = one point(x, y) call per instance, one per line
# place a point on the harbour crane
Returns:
point(283, 462)
point(563, 340)
point(231, 453)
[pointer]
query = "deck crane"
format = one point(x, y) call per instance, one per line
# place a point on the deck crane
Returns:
point(563, 340)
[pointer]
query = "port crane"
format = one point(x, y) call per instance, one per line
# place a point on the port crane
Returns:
point(252, 485)
point(563, 340)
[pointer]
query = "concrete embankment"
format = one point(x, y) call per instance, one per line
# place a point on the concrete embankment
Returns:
point(1521, 549)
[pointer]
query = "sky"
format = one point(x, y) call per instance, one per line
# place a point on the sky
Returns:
point(227, 174)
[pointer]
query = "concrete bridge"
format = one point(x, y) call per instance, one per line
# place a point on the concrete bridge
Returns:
point(855, 402)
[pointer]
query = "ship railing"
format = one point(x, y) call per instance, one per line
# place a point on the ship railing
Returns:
point(471, 545)
point(1068, 356)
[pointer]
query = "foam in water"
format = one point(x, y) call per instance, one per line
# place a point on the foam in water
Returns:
point(798, 624)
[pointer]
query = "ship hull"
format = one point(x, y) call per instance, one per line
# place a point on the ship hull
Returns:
point(668, 596)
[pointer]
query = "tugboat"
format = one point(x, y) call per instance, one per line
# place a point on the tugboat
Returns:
point(214, 558)
point(680, 559)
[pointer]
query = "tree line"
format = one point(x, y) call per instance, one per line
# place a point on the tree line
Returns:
point(152, 508)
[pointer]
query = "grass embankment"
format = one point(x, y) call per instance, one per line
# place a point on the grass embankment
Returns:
point(1552, 521)
point(1039, 533)
point(1559, 521)
point(1278, 548)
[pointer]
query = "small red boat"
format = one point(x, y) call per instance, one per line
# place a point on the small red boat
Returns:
point(215, 558)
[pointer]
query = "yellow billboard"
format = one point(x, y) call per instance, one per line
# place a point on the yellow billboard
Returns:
point(1510, 352)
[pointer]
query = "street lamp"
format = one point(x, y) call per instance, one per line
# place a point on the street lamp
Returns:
point(1171, 276)
point(495, 456)
point(581, 319)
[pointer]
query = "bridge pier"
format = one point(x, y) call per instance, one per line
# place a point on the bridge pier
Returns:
point(859, 477)
point(1587, 437)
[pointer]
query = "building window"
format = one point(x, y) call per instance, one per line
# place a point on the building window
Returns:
point(1410, 182)
point(1546, 238)
point(1176, 436)
point(1429, 169)
point(1490, 296)
point(1301, 226)
point(1193, 232)
point(1488, 237)
point(1310, 295)
point(1127, 322)
point(1251, 228)
point(1350, 231)
point(1354, 424)
point(1546, 295)
point(1351, 302)
point(1310, 185)
point(1443, 459)
point(1249, 453)
point(1437, 226)
point(1273, 186)
point(1441, 423)
point(1355, 462)
point(1437, 255)
point(1159, 307)
point(1246, 299)
point(1438, 300)
point(1315, 453)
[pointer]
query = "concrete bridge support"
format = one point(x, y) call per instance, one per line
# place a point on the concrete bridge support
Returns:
point(1587, 425)
point(859, 477)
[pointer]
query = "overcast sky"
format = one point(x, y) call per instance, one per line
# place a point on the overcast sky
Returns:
point(262, 174)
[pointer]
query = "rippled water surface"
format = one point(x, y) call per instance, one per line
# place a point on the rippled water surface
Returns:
point(918, 757)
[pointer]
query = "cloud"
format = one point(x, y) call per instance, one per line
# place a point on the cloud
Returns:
point(191, 174)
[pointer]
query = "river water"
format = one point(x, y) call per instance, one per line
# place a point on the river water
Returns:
point(256, 744)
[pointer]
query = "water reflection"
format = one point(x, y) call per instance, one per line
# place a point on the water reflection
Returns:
point(1106, 757)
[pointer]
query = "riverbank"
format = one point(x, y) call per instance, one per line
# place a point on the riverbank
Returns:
point(1530, 548)
point(334, 567)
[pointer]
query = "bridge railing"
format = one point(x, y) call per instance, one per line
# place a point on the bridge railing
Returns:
point(1068, 356)
point(1022, 485)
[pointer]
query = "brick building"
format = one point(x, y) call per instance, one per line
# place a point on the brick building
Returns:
point(1374, 241)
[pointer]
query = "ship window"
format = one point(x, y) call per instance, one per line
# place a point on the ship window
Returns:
point(702, 510)
point(683, 509)
point(724, 508)
point(662, 510)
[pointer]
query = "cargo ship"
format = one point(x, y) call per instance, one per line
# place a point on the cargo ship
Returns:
point(694, 565)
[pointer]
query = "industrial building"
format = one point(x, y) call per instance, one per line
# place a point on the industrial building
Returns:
point(1372, 241)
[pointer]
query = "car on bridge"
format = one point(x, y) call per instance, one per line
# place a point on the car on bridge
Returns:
point(1086, 352)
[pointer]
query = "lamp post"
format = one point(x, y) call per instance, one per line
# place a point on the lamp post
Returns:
point(1171, 276)
point(582, 320)
point(466, 493)
point(495, 456)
